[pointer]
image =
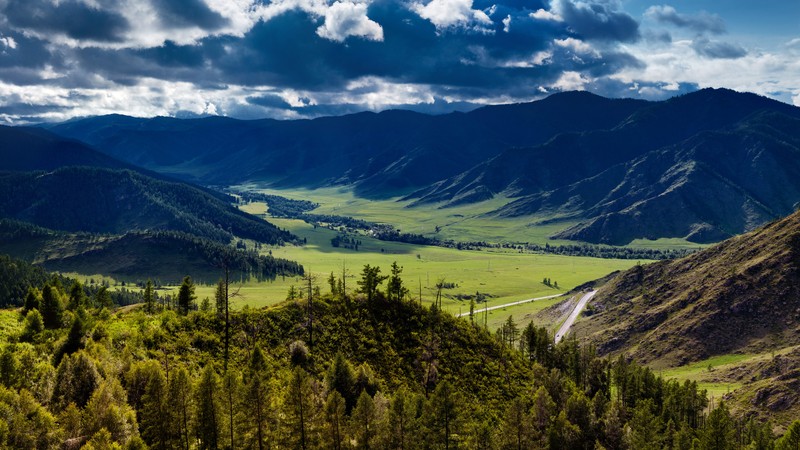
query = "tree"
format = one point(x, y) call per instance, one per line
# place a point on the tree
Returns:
point(516, 431)
point(335, 417)
point(186, 296)
point(33, 325)
point(341, 378)
point(77, 297)
point(51, 307)
point(300, 413)
point(395, 289)
point(444, 409)
point(76, 379)
point(370, 280)
point(108, 409)
point(257, 398)
point(402, 420)
point(790, 439)
point(220, 299)
point(102, 298)
point(180, 403)
point(232, 397)
point(363, 421)
point(32, 299)
point(154, 428)
point(207, 410)
point(149, 299)
point(719, 430)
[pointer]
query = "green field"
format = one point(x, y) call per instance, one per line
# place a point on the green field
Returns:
point(504, 275)
point(710, 373)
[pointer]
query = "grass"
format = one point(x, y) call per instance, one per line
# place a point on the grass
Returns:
point(505, 275)
point(705, 373)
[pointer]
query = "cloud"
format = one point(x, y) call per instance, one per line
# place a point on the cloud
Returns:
point(188, 13)
point(345, 19)
point(702, 22)
point(446, 14)
point(71, 19)
point(303, 58)
point(716, 49)
point(598, 20)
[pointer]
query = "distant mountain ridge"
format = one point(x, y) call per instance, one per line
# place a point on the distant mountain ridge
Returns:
point(380, 154)
point(702, 166)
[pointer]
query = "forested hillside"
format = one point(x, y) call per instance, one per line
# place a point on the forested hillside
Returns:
point(117, 201)
point(368, 369)
point(135, 256)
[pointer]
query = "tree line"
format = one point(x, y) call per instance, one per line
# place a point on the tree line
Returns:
point(382, 372)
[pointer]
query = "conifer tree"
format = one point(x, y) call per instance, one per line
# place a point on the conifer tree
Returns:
point(51, 307)
point(149, 298)
point(207, 410)
point(335, 420)
point(180, 403)
point(257, 399)
point(186, 296)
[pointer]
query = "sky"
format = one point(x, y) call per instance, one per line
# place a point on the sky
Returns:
point(285, 59)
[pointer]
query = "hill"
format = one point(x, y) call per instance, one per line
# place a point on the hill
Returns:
point(368, 371)
point(739, 297)
point(101, 200)
point(379, 154)
point(133, 257)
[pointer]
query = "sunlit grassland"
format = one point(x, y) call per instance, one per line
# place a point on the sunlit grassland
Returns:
point(505, 276)
point(461, 223)
point(710, 374)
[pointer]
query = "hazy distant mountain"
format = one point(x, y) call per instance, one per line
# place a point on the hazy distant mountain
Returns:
point(381, 154)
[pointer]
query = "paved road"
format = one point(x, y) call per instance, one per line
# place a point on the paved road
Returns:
point(571, 319)
point(478, 311)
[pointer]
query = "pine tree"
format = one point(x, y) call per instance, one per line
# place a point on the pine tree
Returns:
point(77, 297)
point(180, 403)
point(186, 296)
point(335, 420)
point(300, 412)
point(370, 280)
point(719, 430)
point(154, 428)
point(149, 299)
point(395, 289)
point(363, 421)
point(444, 410)
point(207, 410)
point(51, 307)
point(791, 439)
point(257, 398)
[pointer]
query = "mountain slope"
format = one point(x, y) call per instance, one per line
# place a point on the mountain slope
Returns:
point(381, 154)
point(117, 201)
point(738, 300)
point(136, 256)
point(708, 188)
point(742, 294)
point(26, 149)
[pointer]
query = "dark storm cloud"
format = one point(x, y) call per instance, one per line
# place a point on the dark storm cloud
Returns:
point(188, 13)
point(599, 20)
point(716, 49)
point(700, 23)
point(513, 57)
point(71, 18)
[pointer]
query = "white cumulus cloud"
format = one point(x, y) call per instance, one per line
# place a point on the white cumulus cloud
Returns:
point(345, 19)
point(453, 14)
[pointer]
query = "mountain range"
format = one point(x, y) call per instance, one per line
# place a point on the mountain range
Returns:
point(703, 166)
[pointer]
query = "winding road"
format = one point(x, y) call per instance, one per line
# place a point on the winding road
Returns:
point(528, 300)
point(571, 319)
